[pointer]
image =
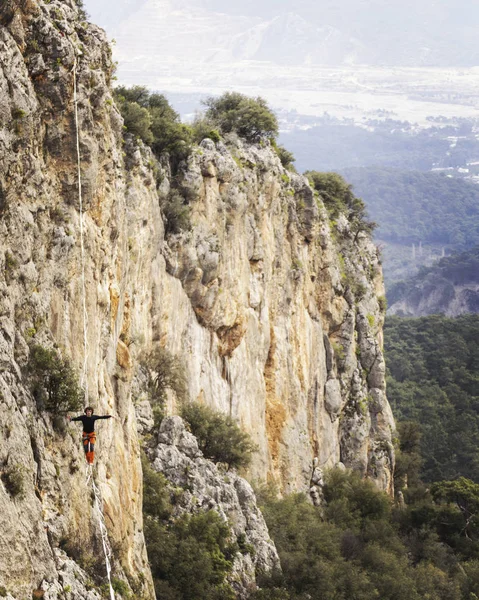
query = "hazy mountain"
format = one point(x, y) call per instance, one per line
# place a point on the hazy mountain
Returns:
point(450, 287)
point(419, 33)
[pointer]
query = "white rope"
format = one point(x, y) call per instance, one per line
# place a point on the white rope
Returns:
point(103, 530)
point(84, 378)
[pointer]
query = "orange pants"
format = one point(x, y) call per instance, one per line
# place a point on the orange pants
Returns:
point(89, 440)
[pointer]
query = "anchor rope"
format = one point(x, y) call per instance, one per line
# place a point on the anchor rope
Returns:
point(84, 379)
point(103, 532)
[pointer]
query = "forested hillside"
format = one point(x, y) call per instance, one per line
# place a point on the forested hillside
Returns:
point(412, 207)
point(433, 379)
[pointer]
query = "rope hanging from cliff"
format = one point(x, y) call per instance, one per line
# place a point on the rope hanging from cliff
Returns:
point(103, 531)
point(84, 377)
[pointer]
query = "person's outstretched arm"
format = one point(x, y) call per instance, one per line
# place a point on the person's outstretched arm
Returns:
point(80, 418)
point(103, 417)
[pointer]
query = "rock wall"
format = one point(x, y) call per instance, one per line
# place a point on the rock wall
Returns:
point(272, 308)
point(289, 310)
point(204, 486)
point(41, 303)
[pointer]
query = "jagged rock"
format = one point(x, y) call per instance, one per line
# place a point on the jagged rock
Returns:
point(332, 397)
point(173, 433)
point(206, 487)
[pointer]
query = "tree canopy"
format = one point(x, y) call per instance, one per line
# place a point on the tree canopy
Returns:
point(433, 379)
point(250, 118)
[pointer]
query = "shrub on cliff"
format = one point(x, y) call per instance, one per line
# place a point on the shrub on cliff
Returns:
point(151, 118)
point(165, 372)
point(53, 381)
point(219, 436)
point(82, 13)
point(285, 156)
point(189, 556)
point(203, 128)
point(176, 212)
point(338, 198)
point(250, 118)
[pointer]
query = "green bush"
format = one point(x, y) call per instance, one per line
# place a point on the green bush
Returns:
point(218, 435)
point(81, 10)
point(165, 372)
point(189, 558)
point(203, 128)
point(151, 118)
point(120, 587)
point(250, 118)
point(53, 382)
point(156, 497)
point(285, 156)
point(13, 479)
point(177, 213)
point(338, 198)
point(137, 121)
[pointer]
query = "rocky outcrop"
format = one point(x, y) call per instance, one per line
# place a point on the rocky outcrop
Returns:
point(206, 487)
point(272, 308)
point(450, 287)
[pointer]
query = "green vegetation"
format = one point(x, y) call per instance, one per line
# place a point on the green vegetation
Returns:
point(165, 373)
point(360, 546)
point(151, 118)
point(53, 382)
point(203, 128)
point(189, 556)
point(11, 264)
point(433, 380)
point(339, 198)
point(13, 479)
point(120, 587)
point(218, 435)
point(285, 156)
point(250, 118)
point(176, 212)
point(81, 10)
point(3, 591)
point(411, 206)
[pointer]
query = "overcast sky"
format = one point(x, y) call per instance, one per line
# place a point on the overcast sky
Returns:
point(387, 32)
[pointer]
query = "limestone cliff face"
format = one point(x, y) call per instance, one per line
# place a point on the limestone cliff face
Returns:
point(276, 313)
point(41, 301)
point(272, 308)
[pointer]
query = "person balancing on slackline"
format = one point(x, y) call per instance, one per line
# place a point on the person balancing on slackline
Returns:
point(89, 435)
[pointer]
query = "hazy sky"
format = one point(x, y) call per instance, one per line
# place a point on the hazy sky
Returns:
point(408, 59)
point(386, 32)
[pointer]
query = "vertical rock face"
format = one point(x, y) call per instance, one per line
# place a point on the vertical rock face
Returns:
point(287, 335)
point(41, 301)
point(272, 308)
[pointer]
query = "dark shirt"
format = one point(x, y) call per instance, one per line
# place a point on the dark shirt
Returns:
point(89, 422)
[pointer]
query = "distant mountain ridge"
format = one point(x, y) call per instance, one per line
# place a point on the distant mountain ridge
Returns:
point(303, 32)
